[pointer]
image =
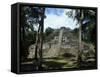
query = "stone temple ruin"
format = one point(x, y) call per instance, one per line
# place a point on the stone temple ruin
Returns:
point(64, 42)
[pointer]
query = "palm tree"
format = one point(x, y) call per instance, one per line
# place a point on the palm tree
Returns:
point(39, 37)
point(77, 15)
point(80, 15)
point(33, 17)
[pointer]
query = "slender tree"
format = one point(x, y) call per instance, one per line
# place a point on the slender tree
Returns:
point(81, 15)
point(39, 38)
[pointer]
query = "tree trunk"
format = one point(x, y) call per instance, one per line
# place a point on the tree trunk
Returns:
point(79, 53)
point(80, 38)
point(41, 39)
point(37, 41)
